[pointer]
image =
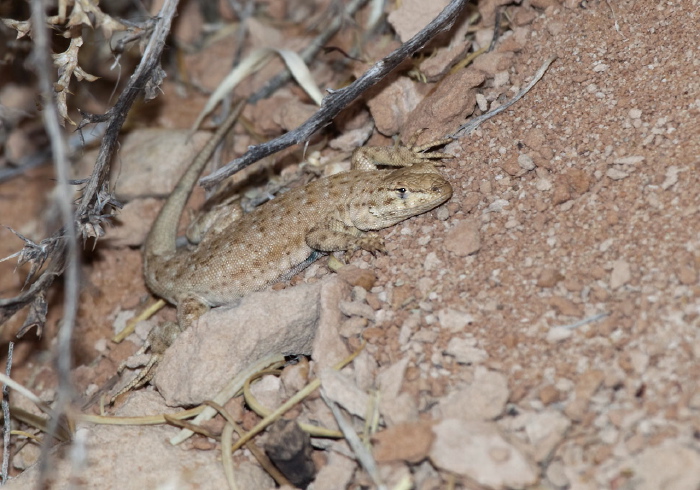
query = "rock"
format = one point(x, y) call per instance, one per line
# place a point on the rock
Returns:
point(565, 306)
point(630, 160)
point(357, 277)
point(252, 475)
point(225, 341)
point(133, 223)
point(561, 193)
point(543, 4)
point(292, 114)
point(403, 442)
point(328, 346)
point(413, 15)
point(671, 466)
point(549, 394)
point(578, 181)
point(493, 62)
point(556, 474)
point(336, 474)
point(145, 450)
point(512, 168)
point(545, 430)
point(352, 138)
point(341, 389)
point(443, 58)
point(525, 161)
point(447, 106)
point(464, 352)
point(535, 140)
point(268, 391)
point(487, 9)
point(401, 409)
point(394, 406)
point(557, 334)
point(454, 320)
point(391, 107)
point(621, 274)
point(464, 239)
point(478, 451)
point(585, 388)
point(484, 399)
point(390, 379)
point(687, 275)
point(295, 376)
point(152, 160)
point(356, 308)
point(616, 174)
point(548, 278)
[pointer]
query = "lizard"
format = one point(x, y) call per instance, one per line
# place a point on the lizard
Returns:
point(341, 212)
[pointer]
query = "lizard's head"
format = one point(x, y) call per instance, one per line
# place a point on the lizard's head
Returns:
point(409, 191)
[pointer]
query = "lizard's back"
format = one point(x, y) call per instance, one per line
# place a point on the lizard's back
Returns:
point(260, 247)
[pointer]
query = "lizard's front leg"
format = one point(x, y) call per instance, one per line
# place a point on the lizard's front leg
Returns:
point(334, 236)
point(369, 157)
point(189, 309)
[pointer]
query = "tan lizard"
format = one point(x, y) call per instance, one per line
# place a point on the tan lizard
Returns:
point(284, 235)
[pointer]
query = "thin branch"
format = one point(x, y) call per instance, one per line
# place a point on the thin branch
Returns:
point(338, 100)
point(142, 79)
point(584, 321)
point(476, 121)
point(309, 52)
point(7, 426)
point(43, 66)
point(66, 251)
point(362, 454)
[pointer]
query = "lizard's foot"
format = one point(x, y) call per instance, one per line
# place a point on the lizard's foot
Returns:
point(158, 340)
point(419, 152)
point(402, 155)
point(371, 242)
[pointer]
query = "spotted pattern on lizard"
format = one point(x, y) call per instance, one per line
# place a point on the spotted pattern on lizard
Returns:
point(335, 213)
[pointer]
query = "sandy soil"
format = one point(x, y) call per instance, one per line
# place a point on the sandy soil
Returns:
point(553, 303)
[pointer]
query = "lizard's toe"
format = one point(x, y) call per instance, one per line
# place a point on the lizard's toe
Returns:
point(372, 243)
point(144, 376)
point(158, 340)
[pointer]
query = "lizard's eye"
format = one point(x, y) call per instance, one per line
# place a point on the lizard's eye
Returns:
point(401, 191)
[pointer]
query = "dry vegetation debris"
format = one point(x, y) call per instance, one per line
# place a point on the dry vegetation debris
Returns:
point(541, 329)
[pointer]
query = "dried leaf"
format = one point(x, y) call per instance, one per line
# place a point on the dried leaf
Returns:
point(254, 62)
point(153, 85)
point(67, 64)
point(23, 27)
point(36, 316)
point(79, 16)
point(35, 253)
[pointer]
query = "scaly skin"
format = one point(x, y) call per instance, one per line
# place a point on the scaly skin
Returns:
point(340, 212)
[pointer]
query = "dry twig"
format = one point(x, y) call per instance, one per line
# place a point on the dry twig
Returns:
point(96, 200)
point(338, 100)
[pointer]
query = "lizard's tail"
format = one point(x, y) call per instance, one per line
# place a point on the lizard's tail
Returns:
point(161, 238)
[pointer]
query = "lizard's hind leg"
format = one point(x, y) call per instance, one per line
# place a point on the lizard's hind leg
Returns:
point(162, 336)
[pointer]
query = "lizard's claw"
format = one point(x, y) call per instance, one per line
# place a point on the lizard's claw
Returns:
point(419, 152)
point(370, 242)
point(144, 376)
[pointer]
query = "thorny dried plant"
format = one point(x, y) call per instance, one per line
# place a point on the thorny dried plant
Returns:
point(71, 18)
point(95, 204)
point(32, 253)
